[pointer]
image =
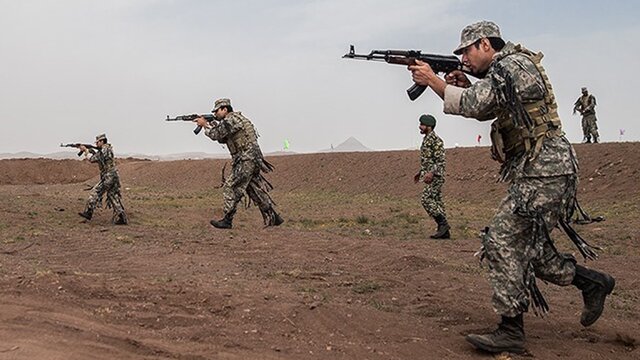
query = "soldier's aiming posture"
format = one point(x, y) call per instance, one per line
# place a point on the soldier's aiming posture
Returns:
point(432, 171)
point(586, 106)
point(109, 183)
point(237, 132)
point(541, 166)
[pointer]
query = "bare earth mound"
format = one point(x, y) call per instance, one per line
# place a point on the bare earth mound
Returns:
point(350, 275)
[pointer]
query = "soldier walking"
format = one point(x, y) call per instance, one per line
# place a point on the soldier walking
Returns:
point(586, 106)
point(432, 172)
point(109, 183)
point(540, 164)
point(248, 164)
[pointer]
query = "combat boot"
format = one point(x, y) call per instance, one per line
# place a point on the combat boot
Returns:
point(596, 140)
point(443, 228)
point(508, 337)
point(121, 219)
point(225, 223)
point(595, 287)
point(271, 217)
point(277, 220)
point(87, 213)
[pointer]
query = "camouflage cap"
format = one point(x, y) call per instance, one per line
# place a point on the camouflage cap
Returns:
point(428, 120)
point(474, 32)
point(220, 103)
point(584, 89)
point(101, 137)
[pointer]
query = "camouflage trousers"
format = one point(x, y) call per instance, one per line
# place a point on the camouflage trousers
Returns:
point(245, 177)
point(590, 127)
point(517, 244)
point(432, 197)
point(108, 185)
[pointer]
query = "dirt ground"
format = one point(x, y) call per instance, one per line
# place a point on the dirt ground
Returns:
point(351, 274)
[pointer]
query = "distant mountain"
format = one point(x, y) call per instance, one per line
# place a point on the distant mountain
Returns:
point(280, 153)
point(60, 155)
point(73, 155)
point(185, 156)
point(349, 145)
point(20, 155)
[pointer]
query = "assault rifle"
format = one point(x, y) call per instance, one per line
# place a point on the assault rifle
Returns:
point(77, 145)
point(439, 63)
point(208, 117)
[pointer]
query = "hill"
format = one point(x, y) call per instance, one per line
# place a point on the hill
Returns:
point(350, 145)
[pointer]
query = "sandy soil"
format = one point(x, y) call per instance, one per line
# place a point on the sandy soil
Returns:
point(350, 275)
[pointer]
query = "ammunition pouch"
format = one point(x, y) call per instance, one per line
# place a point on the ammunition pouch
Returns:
point(511, 139)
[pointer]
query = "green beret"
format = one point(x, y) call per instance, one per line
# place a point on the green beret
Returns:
point(428, 120)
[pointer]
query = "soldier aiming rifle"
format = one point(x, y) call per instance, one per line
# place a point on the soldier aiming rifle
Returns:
point(109, 184)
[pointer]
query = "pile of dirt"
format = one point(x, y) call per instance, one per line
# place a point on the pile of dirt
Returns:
point(44, 171)
point(47, 171)
point(607, 171)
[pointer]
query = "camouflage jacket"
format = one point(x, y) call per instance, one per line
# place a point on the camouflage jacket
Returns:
point(485, 99)
point(432, 155)
point(239, 134)
point(105, 159)
point(585, 104)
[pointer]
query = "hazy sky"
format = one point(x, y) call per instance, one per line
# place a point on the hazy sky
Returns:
point(71, 69)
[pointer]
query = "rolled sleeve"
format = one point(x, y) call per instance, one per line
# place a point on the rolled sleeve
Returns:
point(452, 96)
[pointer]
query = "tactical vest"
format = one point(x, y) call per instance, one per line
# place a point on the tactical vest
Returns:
point(106, 163)
point(585, 101)
point(244, 139)
point(511, 139)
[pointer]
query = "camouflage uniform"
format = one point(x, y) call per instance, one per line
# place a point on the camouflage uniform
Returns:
point(109, 184)
point(540, 163)
point(248, 164)
point(542, 170)
point(432, 160)
point(586, 106)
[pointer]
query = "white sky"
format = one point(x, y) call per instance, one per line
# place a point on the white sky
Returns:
point(71, 69)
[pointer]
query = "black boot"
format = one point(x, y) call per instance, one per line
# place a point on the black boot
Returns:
point(595, 287)
point(87, 213)
point(225, 223)
point(596, 140)
point(121, 219)
point(443, 228)
point(271, 217)
point(277, 220)
point(509, 337)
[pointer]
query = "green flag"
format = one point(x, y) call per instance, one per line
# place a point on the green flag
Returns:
point(286, 144)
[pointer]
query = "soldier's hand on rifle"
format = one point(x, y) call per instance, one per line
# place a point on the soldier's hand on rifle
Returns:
point(416, 178)
point(422, 73)
point(457, 78)
point(428, 178)
point(82, 148)
point(201, 122)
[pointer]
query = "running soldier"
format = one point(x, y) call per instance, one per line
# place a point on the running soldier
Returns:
point(238, 133)
point(540, 164)
point(109, 183)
